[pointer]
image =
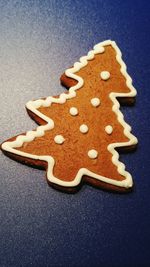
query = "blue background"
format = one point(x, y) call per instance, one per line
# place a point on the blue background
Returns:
point(40, 226)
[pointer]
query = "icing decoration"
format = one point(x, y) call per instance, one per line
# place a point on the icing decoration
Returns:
point(84, 128)
point(105, 75)
point(109, 129)
point(59, 139)
point(73, 111)
point(95, 102)
point(101, 50)
point(34, 105)
point(93, 154)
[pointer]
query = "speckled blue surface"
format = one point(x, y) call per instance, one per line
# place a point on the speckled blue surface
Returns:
point(38, 225)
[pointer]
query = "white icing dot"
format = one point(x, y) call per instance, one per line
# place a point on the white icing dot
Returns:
point(84, 128)
point(93, 154)
point(59, 139)
point(73, 111)
point(95, 102)
point(105, 75)
point(109, 129)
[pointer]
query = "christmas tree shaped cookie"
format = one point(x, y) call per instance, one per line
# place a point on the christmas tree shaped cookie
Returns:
point(82, 130)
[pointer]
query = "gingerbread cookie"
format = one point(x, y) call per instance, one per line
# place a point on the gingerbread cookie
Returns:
point(81, 130)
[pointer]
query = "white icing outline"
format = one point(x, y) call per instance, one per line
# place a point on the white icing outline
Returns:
point(34, 105)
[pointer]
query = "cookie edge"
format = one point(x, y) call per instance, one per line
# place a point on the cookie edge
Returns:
point(34, 105)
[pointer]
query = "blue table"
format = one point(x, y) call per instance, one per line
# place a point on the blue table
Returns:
point(40, 226)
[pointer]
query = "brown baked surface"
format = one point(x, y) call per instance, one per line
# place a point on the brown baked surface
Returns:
point(73, 153)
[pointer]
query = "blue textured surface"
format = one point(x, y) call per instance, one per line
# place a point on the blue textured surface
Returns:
point(38, 225)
